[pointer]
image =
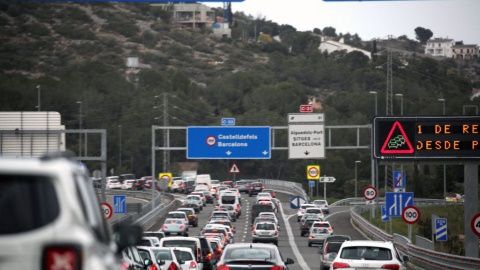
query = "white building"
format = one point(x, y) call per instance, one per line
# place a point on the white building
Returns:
point(466, 52)
point(329, 46)
point(439, 47)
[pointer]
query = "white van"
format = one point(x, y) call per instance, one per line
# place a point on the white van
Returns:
point(230, 197)
point(204, 179)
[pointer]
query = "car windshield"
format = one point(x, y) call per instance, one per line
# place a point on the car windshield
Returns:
point(333, 247)
point(162, 254)
point(320, 231)
point(321, 225)
point(265, 226)
point(183, 255)
point(248, 253)
point(176, 215)
point(366, 253)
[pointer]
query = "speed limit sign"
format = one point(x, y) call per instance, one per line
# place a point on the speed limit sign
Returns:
point(475, 224)
point(313, 172)
point(411, 214)
point(370, 193)
point(107, 210)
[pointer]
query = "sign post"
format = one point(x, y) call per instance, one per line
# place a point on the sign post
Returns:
point(325, 180)
point(410, 215)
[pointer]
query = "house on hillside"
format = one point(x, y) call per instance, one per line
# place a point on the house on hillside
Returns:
point(439, 47)
point(465, 52)
point(192, 15)
point(329, 45)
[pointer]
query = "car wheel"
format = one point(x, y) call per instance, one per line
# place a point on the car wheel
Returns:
point(298, 219)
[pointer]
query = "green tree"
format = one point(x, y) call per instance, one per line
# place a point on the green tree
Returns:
point(423, 34)
point(329, 31)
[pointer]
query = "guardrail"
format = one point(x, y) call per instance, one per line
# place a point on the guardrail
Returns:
point(285, 186)
point(381, 201)
point(419, 256)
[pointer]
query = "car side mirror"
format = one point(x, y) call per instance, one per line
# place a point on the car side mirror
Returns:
point(406, 258)
point(147, 262)
point(289, 261)
point(127, 236)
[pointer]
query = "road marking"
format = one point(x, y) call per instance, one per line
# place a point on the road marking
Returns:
point(291, 240)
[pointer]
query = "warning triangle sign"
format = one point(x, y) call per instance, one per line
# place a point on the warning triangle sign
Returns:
point(234, 169)
point(397, 141)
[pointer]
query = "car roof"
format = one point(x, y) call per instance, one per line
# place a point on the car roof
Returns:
point(372, 243)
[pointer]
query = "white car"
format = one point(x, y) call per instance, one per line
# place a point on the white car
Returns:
point(128, 184)
point(301, 210)
point(315, 210)
point(185, 258)
point(113, 184)
point(161, 257)
point(323, 204)
point(264, 195)
point(364, 254)
point(60, 222)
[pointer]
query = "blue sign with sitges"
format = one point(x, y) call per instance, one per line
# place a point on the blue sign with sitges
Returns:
point(228, 142)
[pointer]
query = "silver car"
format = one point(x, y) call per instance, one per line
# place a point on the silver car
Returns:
point(265, 232)
point(175, 225)
point(317, 235)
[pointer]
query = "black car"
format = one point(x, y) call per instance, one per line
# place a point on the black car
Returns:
point(192, 217)
point(188, 186)
point(208, 197)
point(255, 188)
point(208, 257)
point(139, 184)
point(192, 204)
point(258, 208)
point(305, 226)
point(264, 256)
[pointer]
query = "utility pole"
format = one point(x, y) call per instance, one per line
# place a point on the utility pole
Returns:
point(39, 92)
point(166, 134)
point(389, 78)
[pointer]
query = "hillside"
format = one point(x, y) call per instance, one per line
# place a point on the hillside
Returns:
point(78, 52)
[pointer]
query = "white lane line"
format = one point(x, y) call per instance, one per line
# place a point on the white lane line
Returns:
point(291, 240)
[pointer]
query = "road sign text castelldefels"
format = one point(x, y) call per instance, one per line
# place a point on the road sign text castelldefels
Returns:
point(306, 136)
point(228, 142)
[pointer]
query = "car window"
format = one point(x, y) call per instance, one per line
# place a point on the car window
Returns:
point(366, 253)
point(250, 253)
point(162, 254)
point(333, 247)
point(183, 255)
point(266, 226)
point(26, 203)
point(144, 254)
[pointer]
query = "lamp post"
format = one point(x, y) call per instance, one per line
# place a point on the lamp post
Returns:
point(401, 102)
point(39, 90)
point(120, 146)
point(375, 93)
point(444, 166)
point(80, 128)
point(356, 162)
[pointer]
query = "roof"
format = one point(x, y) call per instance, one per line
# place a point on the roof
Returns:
point(367, 243)
point(439, 40)
point(465, 46)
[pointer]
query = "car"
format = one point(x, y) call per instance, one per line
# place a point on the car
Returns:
point(50, 212)
point(192, 217)
point(315, 210)
point(175, 225)
point(208, 259)
point(322, 204)
point(159, 258)
point(221, 214)
point(159, 235)
point(131, 259)
point(208, 197)
point(454, 198)
point(255, 188)
point(194, 204)
point(230, 209)
point(230, 233)
point(262, 194)
point(185, 258)
point(337, 238)
point(316, 235)
point(128, 184)
point(265, 219)
point(328, 253)
point(306, 225)
point(223, 222)
point(265, 232)
point(265, 255)
point(309, 216)
point(227, 183)
point(196, 198)
point(178, 214)
point(188, 242)
point(323, 224)
point(139, 184)
point(259, 208)
point(269, 204)
point(149, 185)
point(188, 186)
point(127, 176)
point(301, 210)
point(271, 191)
point(176, 185)
point(243, 185)
point(217, 246)
point(113, 184)
point(215, 183)
point(149, 241)
point(369, 254)
point(213, 229)
point(201, 195)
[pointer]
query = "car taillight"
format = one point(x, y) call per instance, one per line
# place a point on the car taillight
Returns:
point(219, 250)
point(124, 265)
point(173, 266)
point(263, 187)
point(276, 232)
point(251, 187)
point(254, 232)
point(311, 237)
point(69, 257)
point(209, 256)
point(182, 227)
point(193, 265)
point(277, 267)
point(199, 254)
point(222, 267)
point(153, 267)
point(191, 215)
point(164, 227)
point(391, 266)
point(337, 265)
point(238, 206)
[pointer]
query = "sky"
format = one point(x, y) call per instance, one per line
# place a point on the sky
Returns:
point(455, 19)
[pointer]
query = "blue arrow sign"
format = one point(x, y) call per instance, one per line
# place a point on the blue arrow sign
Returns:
point(119, 204)
point(399, 179)
point(228, 142)
point(395, 202)
point(295, 202)
point(441, 229)
point(385, 216)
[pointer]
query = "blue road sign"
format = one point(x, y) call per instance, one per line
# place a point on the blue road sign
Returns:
point(119, 204)
point(441, 229)
point(228, 143)
point(228, 121)
point(385, 217)
point(399, 180)
point(295, 202)
point(311, 183)
point(395, 202)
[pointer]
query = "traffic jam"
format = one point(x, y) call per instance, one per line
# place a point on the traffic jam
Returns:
point(217, 228)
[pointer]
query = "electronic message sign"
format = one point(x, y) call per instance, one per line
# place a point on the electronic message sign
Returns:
point(426, 137)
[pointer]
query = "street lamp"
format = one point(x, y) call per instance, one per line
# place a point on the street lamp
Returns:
point(356, 162)
point(401, 102)
point(80, 127)
point(444, 166)
point(120, 146)
point(375, 93)
point(38, 93)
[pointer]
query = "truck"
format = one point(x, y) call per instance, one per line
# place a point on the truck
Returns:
point(204, 179)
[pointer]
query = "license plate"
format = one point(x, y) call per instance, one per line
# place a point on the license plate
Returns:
point(257, 188)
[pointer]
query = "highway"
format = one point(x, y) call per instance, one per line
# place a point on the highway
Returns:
point(291, 245)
